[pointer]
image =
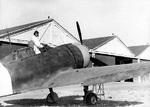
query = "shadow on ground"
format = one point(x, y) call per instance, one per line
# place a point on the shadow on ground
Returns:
point(68, 101)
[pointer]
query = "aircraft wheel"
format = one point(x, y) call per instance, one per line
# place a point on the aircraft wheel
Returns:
point(91, 98)
point(52, 98)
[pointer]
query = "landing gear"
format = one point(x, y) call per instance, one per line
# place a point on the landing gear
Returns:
point(89, 97)
point(52, 97)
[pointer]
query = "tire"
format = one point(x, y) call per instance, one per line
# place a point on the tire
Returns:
point(52, 98)
point(91, 99)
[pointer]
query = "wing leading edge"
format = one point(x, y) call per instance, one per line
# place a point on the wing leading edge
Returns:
point(89, 76)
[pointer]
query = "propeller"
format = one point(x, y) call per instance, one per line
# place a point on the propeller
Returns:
point(92, 59)
point(79, 32)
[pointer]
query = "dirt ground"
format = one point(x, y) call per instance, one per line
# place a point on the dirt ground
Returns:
point(116, 95)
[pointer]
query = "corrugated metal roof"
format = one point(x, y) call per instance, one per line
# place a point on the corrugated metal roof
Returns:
point(138, 49)
point(92, 43)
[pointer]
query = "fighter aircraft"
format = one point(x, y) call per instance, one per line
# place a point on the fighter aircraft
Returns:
point(61, 66)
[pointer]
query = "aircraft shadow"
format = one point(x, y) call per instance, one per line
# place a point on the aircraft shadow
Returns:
point(68, 101)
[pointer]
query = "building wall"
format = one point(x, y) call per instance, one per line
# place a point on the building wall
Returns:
point(135, 60)
point(143, 78)
point(109, 60)
point(112, 60)
point(145, 54)
point(6, 48)
point(115, 47)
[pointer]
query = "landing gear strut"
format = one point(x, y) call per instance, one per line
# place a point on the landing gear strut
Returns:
point(52, 97)
point(89, 97)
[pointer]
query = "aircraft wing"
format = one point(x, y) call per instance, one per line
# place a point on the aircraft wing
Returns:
point(94, 75)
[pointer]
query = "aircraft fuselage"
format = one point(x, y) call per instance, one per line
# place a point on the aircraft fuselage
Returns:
point(31, 71)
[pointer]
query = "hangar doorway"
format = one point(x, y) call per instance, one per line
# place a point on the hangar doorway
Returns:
point(124, 60)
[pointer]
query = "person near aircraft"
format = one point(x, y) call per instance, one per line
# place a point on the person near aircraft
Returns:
point(37, 45)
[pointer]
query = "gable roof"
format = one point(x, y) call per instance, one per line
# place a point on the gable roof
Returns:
point(22, 28)
point(5, 33)
point(138, 49)
point(93, 43)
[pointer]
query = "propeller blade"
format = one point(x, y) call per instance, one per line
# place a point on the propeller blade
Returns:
point(79, 32)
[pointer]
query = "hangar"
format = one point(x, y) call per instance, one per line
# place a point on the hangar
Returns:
point(109, 50)
point(142, 54)
point(51, 33)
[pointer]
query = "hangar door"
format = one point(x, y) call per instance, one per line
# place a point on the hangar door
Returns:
point(124, 60)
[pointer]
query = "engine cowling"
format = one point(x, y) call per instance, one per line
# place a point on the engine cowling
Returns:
point(85, 53)
point(80, 54)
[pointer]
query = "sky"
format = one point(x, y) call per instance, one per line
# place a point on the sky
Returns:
point(128, 19)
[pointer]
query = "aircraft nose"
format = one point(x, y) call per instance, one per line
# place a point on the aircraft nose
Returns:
point(85, 53)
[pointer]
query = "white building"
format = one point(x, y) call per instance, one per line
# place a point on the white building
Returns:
point(50, 31)
point(110, 50)
point(142, 53)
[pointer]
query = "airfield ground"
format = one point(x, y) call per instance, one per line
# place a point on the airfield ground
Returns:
point(116, 95)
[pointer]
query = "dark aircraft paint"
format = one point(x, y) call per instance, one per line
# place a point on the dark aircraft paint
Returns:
point(30, 71)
